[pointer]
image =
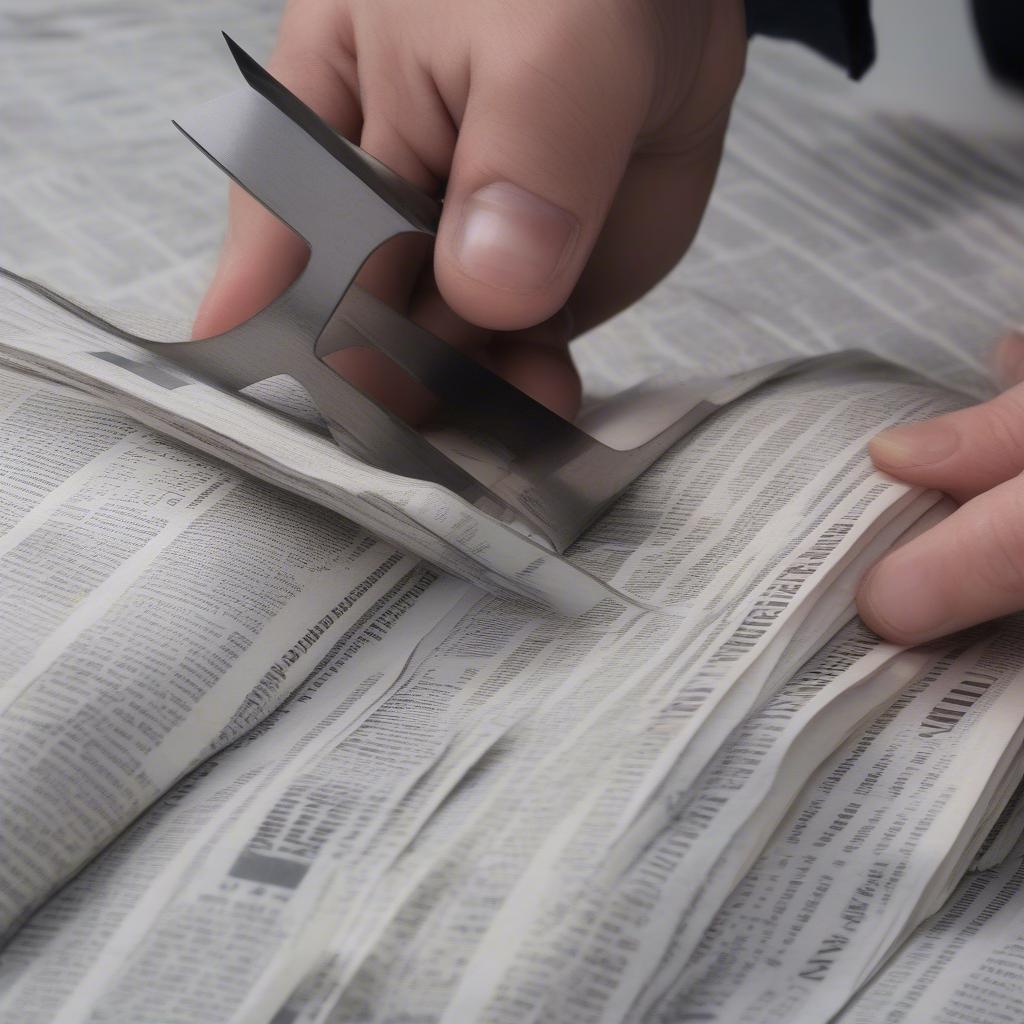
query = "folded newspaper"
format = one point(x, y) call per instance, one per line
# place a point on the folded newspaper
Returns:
point(287, 739)
point(561, 768)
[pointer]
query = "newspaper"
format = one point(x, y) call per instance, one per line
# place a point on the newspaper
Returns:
point(465, 539)
point(612, 715)
point(507, 784)
point(156, 604)
point(962, 964)
point(334, 837)
point(873, 845)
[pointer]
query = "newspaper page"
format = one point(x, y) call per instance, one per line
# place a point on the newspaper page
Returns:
point(962, 964)
point(71, 958)
point(1001, 842)
point(38, 335)
point(519, 752)
point(828, 229)
point(873, 845)
point(556, 949)
point(155, 605)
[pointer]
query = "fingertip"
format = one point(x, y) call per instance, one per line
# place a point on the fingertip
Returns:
point(1007, 359)
point(260, 258)
point(882, 451)
point(914, 445)
point(210, 319)
point(241, 287)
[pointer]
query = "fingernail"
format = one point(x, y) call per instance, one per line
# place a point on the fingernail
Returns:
point(915, 444)
point(1008, 359)
point(512, 239)
point(901, 597)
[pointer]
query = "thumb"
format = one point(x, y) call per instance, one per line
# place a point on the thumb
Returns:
point(541, 151)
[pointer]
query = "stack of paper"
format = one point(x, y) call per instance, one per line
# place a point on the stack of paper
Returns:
point(287, 739)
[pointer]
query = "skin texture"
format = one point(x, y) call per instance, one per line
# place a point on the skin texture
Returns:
point(576, 143)
point(969, 568)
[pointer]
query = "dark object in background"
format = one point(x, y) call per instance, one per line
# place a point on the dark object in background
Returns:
point(841, 30)
point(1001, 31)
point(838, 29)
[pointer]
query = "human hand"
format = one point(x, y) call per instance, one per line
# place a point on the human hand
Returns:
point(970, 567)
point(576, 141)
